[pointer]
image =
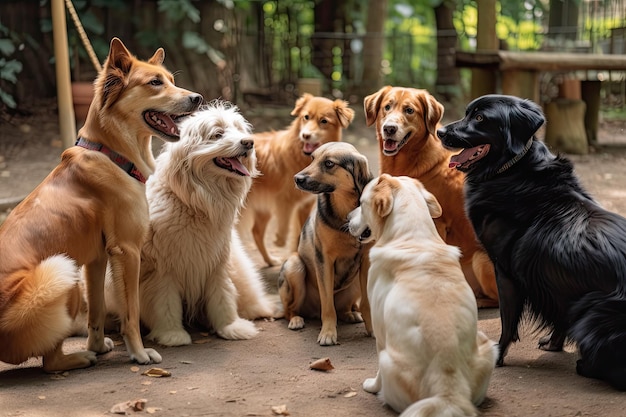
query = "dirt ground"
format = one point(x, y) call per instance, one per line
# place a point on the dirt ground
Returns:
point(214, 377)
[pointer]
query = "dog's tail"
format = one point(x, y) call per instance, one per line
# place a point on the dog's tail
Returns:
point(599, 330)
point(43, 303)
point(441, 406)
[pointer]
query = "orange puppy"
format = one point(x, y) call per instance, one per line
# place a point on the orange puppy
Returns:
point(281, 155)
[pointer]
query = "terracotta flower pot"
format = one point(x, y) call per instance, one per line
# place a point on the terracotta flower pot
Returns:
point(82, 94)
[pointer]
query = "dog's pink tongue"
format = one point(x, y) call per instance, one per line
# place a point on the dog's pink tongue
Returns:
point(309, 147)
point(238, 166)
point(461, 158)
point(390, 145)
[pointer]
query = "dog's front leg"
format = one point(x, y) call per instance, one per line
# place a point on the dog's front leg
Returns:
point(365, 302)
point(325, 284)
point(94, 273)
point(124, 262)
point(511, 308)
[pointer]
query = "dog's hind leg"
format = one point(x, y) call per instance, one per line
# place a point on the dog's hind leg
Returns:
point(261, 219)
point(94, 273)
point(552, 342)
point(124, 262)
point(511, 308)
point(485, 275)
point(292, 290)
point(57, 361)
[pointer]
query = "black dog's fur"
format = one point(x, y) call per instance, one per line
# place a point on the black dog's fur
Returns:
point(556, 251)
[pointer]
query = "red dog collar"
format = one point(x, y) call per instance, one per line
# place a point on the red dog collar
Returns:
point(118, 159)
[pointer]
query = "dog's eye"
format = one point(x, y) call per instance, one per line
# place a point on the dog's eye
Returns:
point(218, 135)
point(479, 117)
point(306, 117)
point(388, 107)
point(329, 164)
point(409, 110)
point(155, 81)
point(323, 121)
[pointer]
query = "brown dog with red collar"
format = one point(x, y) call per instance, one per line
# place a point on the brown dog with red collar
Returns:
point(90, 211)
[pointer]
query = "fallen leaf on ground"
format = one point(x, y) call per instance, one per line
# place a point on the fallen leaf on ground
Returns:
point(350, 394)
point(322, 364)
point(125, 407)
point(280, 410)
point(134, 369)
point(157, 373)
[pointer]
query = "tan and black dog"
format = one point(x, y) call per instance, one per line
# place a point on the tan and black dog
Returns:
point(328, 274)
point(90, 211)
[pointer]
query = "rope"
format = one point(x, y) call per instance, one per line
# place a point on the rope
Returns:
point(83, 35)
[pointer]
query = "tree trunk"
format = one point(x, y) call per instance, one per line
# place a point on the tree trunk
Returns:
point(448, 84)
point(373, 46)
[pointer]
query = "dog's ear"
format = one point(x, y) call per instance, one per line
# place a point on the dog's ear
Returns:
point(362, 175)
point(300, 103)
point(371, 104)
point(383, 196)
point(434, 208)
point(112, 79)
point(158, 57)
point(344, 113)
point(524, 119)
point(433, 111)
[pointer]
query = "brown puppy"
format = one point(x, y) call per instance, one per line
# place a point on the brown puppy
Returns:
point(90, 210)
point(406, 123)
point(322, 274)
point(281, 154)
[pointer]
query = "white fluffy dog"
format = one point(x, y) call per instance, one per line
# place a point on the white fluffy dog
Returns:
point(194, 267)
point(432, 360)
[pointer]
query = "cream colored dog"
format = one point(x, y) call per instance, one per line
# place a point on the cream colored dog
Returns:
point(432, 360)
point(194, 268)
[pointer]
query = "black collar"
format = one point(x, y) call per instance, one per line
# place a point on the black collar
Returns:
point(516, 158)
point(118, 159)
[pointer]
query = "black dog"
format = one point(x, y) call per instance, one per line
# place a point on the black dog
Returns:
point(557, 253)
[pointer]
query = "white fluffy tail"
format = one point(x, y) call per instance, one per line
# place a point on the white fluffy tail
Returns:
point(38, 315)
point(440, 406)
point(41, 295)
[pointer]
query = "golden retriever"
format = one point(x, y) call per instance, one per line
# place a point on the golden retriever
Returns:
point(194, 268)
point(281, 154)
point(432, 359)
point(406, 122)
point(330, 267)
point(89, 211)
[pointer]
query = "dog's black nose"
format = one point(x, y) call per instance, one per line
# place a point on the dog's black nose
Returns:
point(299, 179)
point(196, 100)
point(441, 132)
point(247, 143)
point(390, 129)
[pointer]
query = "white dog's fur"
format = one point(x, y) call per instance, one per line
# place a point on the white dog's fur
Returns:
point(433, 361)
point(194, 267)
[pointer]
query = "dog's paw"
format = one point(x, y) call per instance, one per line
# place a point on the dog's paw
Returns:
point(175, 337)
point(327, 337)
point(238, 330)
point(146, 356)
point(99, 348)
point(371, 385)
point(296, 323)
point(352, 317)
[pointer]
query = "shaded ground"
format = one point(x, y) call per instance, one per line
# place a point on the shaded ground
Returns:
point(214, 377)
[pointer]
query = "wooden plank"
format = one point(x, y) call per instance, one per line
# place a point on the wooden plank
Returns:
point(541, 61)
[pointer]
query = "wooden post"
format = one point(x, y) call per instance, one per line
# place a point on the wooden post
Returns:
point(483, 80)
point(67, 122)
